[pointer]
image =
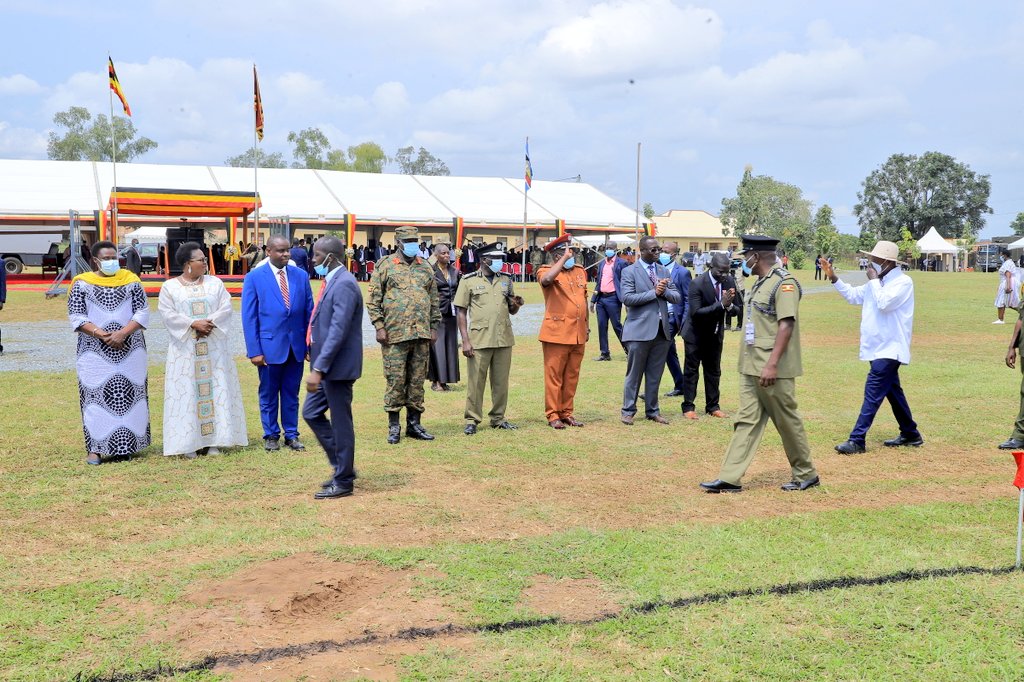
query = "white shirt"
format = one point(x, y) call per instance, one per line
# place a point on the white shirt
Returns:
point(700, 263)
point(887, 315)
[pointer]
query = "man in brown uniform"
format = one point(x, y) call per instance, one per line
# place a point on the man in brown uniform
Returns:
point(769, 364)
point(564, 331)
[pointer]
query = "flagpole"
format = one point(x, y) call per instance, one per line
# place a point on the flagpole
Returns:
point(526, 198)
point(113, 158)
point(637, 227)
point(255, 171)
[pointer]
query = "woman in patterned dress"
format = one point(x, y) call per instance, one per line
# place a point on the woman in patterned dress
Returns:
point(108, 310)
point(203, 409)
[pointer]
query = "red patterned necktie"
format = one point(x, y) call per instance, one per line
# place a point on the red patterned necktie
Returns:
point(284, 288)
point(650, 273)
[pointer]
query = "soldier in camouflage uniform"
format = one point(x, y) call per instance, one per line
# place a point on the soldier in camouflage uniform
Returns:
point(403, 308)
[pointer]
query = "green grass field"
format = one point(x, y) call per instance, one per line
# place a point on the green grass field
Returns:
point(118, 571)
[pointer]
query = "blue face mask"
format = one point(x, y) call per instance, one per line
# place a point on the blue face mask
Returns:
point(747, 272)
point(665, 259)
point(410, 249)
point(495, 265)
point(569, 263)
point(109, 267)
point(608, 253)
point(322, 268)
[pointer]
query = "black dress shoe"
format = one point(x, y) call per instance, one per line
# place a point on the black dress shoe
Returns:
point(505, 425)
point(271, 444)
point(1012, 444)
point(603, 357)
point(470, 429)
point(673, 393)
point(332, 491)
point(720, 486)
point(801, 485)
point(417, 432)
point(901, 441)
point(294, 444)
point(850, 448)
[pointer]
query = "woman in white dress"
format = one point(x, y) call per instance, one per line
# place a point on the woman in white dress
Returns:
point(203, 409)
point(1008, 293)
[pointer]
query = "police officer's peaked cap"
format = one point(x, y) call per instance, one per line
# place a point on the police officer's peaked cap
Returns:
point(758, 242)
point(559, 242)
point(495, 250)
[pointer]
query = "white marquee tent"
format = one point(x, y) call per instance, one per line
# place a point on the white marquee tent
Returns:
point(932, 244)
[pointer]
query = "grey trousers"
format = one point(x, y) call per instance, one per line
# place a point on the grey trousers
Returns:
point(647, 361)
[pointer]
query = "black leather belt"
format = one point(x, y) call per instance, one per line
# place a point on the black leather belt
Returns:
point(601, 293)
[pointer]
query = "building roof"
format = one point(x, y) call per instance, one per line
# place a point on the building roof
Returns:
point(32, 187)
point(689, 223)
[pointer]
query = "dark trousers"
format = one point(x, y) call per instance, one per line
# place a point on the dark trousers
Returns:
point(738, 315)
point(646, 361)
point(883, 383)
point(672, 361)
point(337, 436)
point(608, 309)
point(279, 387)
point(707, 352)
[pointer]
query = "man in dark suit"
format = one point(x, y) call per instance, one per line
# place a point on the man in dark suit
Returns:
point(711, 296)
point(646, 291)
point(607, 301)
point(276, 306)
point(335, 362)
point(133, 259)
point(300, 256)
point(678, 313)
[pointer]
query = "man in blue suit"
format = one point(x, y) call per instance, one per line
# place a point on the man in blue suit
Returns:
point(678, 312)
point(606, 301)
point(647, 291)
point(335, 362)
point(300, 256)
point(276, 305)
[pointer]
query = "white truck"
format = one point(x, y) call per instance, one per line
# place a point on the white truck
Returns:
point(21, 249)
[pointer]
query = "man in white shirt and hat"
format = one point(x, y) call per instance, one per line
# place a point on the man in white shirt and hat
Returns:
point(886, 326)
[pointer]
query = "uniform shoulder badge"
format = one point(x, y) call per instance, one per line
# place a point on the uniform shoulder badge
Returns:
point(788, 288)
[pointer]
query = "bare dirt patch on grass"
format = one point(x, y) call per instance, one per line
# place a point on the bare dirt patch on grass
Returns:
point(574, 599)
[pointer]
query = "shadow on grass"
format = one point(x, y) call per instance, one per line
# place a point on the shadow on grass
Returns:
point(413, 634)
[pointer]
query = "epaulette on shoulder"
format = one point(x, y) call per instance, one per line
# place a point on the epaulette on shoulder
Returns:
point(475, 273)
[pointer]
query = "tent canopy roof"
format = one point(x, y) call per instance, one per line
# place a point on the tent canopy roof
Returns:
point(932, 242)
point(54, 187)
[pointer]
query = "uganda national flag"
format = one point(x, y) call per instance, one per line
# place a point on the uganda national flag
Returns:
point(115, 85)
point(529, 167)
point(257, 103)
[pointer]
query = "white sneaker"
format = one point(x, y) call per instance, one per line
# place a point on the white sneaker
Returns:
point(999, 322)
point(212, 451)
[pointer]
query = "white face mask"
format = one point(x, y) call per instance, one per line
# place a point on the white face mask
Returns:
point(877, 267)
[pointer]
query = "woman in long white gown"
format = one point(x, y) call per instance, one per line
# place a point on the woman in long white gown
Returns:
point(203, 409)
point(1008, 293)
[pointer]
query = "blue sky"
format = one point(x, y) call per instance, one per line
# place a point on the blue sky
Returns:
point(815, 94)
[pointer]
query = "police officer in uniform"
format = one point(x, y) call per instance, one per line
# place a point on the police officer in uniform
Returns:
point(403, 307)
point(769, 364)
point(483, 302)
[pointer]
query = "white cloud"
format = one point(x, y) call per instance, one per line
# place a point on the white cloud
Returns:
point(21, 143)
point(391, 99)
point(19, 84)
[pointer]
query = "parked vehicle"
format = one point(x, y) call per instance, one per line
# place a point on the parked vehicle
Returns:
point(149, 252)
point(986, 258)
point(688, 258)
point(19, 250)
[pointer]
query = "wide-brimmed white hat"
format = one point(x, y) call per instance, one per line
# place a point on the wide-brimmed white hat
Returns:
point(886, 251)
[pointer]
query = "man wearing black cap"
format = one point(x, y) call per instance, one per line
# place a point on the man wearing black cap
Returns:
point(769, 364)
point(483, 302)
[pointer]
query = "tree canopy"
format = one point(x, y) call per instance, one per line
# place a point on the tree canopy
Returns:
point(921, 192)
point(255, 156)
point(764, 205)
point(86, 139)
point(312, 149)
point(824, 234)
point(1018, 224)
point(424, 163)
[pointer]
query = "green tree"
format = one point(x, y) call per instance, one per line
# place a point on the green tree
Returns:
point(908, 245)
point(310, 148)
point(424, 163)
point(920, 192)
point(86, 139)
point(256, 156)
point(965, 243)
point(767, 206)
point(648, 210)
point(1018, 224)
point(825, 234)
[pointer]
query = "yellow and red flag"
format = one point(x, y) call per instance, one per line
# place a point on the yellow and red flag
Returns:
point(1019, 478)
point(257, 103)
point(115, 85)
